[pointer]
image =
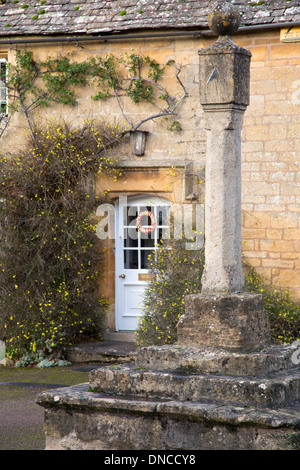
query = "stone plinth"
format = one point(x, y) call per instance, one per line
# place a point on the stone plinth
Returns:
point(76, 419)
point(233, 322)
point(277, 390)
point(181, 398)
point(217, 361)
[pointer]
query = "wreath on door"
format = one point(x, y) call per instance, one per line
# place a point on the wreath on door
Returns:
point(139, 225)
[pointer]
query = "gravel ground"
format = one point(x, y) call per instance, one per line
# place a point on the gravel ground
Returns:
point(21, 419)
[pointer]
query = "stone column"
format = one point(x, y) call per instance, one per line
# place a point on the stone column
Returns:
point(222, 315)
point(224, 96)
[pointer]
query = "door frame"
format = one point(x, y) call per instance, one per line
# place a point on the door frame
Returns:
point(141, 200)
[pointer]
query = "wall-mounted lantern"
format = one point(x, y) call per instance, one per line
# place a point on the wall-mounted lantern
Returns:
point(138, 142)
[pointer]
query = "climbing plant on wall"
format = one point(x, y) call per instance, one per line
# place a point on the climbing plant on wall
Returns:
point(32, 84)
point(138, 78)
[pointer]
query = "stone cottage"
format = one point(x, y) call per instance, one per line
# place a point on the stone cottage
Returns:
point(170, 170)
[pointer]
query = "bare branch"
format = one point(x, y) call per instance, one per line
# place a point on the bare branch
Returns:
point(154, 116)
point(117, 98)
point(26, 116)
point(185, 93)
point(120, 107)
point(5, 120)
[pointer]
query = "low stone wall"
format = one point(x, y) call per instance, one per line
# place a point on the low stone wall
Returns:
point(76, 418)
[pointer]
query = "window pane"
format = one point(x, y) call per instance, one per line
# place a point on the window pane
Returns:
point(130, 213)
point(163, 234)
point(131, 237)
point(3, 91)
point(144, 258)
point(148, 240)
point(131, 259)
point(163, 215)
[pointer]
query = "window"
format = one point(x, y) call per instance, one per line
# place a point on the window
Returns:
point(139, 245)
point(3, 88)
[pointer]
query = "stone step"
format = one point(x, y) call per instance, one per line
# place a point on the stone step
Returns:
point(103, 352)
point(218, 361)
point(279, 389)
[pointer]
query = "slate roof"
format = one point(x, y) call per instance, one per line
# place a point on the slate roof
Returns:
point(65, 17)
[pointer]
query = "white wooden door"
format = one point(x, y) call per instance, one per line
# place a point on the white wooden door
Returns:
point(136, 217)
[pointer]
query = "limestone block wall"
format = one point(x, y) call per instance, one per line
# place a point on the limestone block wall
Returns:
point(270, 137)
point(271, 161)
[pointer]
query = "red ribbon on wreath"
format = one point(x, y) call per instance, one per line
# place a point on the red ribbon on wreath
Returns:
point(139, 225)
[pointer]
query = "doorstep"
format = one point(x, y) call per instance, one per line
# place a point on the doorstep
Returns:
point(117, 348)
point(123, 336)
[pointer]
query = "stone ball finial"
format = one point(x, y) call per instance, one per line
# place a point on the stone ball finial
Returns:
point(223, 19)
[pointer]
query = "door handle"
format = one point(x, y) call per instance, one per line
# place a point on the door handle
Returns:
point(122, 276)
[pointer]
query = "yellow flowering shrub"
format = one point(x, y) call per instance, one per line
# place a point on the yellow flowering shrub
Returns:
point(50, 256)
point(178, 273)
point(283, 311)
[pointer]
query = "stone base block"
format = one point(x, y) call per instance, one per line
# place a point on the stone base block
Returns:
point(208, 360)
point(234, 322)
point(276, 390)
point(76, 418)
